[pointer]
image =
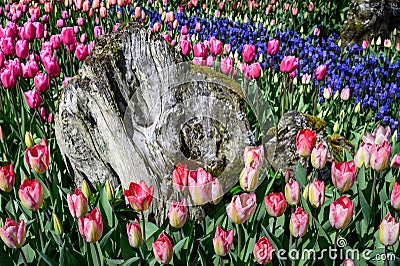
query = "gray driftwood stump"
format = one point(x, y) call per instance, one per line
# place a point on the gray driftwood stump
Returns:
point(137, 109)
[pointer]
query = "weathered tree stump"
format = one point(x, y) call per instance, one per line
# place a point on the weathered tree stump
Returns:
point(137, 109)
point(370, 19)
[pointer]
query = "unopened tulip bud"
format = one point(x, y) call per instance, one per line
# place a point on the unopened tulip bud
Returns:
point(276, 79)
point(378, 41)
point(292, 192)
point(29, 140)
point(134, 234)
point(109, 190)
point(86, 189)
point(348, 262)
point(299, 222)
point(336, 95)
point(2, 136)
point(336, 127)
point(57, 225)
point(357, 108)
point(305, 192)
point(341, 212)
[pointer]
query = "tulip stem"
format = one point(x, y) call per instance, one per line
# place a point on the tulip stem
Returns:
point(239, 239)
point(39, 230)
point(96, 249)
point(295, 249)
point(144, 227)
point(16, 117)
point(13, 206)
point(386, 257)
point(335, 245)
point(274, 226)
point(23, 257)
point(220, 261)
point(373, 190)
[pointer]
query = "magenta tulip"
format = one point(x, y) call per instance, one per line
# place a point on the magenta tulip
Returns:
point(7, 45)
point(395, 161)
point(186, 47)
point(68, 35)
point(289, 64)
point(8, 78)
point(273, 47)
point(81, 52)
point(249, 53)
point(51, 66)
point(215, 46)
point(30, 69)
point(42, 82)
point(252, 71)
point(320, 72)
point(21, 49)
point(32, 98)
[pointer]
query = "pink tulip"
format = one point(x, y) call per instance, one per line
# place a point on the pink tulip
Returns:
point(81, 52)
point(77, 204)
point(2, 59)
point(348, 262)
point(162, 249)
point(317, 31)
point(55, 41)
point(7, 178)
point(341, 212)
point(222, 241)
point(186, 47)
point(91, 227)
point(380, 135)
point(210, 61)
point(227, 48)
point(7, 45)
point(362, 156)
point(38, 157)
point(134, 234)
point(395, 161)
point(320, 72)
point(180, 177)
point(8, 78)
point(98, 31)
point(13, 234)
point(292, 192)
point(177, 213)
point(316, 193)
point(263, 250)
point(51, 66)
point(198, 27)
point(253, 71)
point(217, 191)
point(241, 207)
point(227, 65)
point(249, 178)
point(273, 47)
point(343, 175)
point(200, 50)
point(299, 222)
point(30, 69)
point(249, 53)
point(15, 67)
point(215, 46)
point(345, 94)
point(389, 230)
point(21, 49)
point(31, 194)
point(103, 12)
point(395, 196)
point(380, 156)
point(275, 204)
point(200, 186)
point(318, 156)
point(139, 195)
point(32, 98)
point(42, 82)
point(289, 64)
point(305, 142)
point(365, 44)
